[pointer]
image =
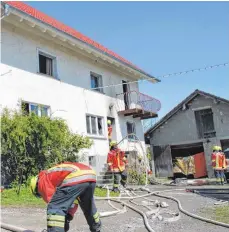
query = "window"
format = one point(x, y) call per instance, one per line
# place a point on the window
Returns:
point(131, 131)
point(95, 125)
point(96, 81)
point(92, 161)
point(205, 123)
point(46, 64)
point(37, 109)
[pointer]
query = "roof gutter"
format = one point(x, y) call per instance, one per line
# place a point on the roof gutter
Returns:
point(84, 43)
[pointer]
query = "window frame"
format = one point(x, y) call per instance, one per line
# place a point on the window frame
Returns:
point(131, 138)
point(202, 134)
point(100, 81)
point(39, 106)
point(54, 63)
point(97, 129)
point(93, 158)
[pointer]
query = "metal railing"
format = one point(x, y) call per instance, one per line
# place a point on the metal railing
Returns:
point(136, 100)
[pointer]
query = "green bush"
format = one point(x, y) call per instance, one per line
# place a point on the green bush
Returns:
point(31, 143)
point(135, 177)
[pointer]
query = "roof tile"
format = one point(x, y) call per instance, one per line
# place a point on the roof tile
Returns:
point(62, 27)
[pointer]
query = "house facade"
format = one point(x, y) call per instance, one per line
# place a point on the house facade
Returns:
point(53, 70)
point(195, 125)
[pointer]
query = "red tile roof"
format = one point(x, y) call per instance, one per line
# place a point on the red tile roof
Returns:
point(21, 6)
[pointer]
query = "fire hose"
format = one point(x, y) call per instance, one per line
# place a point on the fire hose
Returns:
point(146, 222)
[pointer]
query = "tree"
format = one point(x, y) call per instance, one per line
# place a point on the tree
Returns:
point(31, 143)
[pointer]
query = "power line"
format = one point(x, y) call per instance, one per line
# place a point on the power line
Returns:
point(167, 75)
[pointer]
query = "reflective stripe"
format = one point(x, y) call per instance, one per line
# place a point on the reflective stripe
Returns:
point(80, 173)
point(55, 224)
point(96, 217)
point(78, 178)
point(60, 169)
point(123, 180)
point(109, 164)
point(118, 158)
point(55, 218)
point(76, 202)
point(63, 167)
point(116, 185)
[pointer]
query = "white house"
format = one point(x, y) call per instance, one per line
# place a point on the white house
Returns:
point(46, 63)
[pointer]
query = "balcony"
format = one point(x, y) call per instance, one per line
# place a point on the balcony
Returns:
point(138, 105)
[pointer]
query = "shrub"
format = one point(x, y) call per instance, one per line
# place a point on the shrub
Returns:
point(31, 143)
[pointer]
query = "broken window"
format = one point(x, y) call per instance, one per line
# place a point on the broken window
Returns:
point(205, 123)
point(100, 126)
point(37, 109)
point(46, 64)
point(131, 131)
point(94, 125)
point(96, 81)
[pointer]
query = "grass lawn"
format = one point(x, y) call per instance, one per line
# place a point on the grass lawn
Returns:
point(9, 197)
point(218, 213)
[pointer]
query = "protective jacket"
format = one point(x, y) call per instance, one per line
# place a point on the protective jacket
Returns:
point(224, 161)
point(218, 161)
point(116, 160)
point(64, 174)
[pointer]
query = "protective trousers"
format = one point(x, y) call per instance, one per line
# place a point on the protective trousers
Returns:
point(63, 199)
point(220, 176)
point(117, 175)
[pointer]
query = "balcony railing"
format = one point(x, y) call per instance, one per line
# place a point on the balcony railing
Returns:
point(138, 105)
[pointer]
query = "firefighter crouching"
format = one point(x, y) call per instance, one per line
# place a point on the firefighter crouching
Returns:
point(64, 187)
point(218, 164)
point(117, 163)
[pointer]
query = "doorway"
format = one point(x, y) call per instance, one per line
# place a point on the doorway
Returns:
point(126, 90)
point(113, 135)
point(185, 152)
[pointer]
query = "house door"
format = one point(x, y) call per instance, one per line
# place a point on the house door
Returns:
point(163, 161)
point(126, 88)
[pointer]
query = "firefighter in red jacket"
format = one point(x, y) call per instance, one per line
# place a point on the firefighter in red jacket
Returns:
point(117, 163)
point(63, 187)
point(218, 163)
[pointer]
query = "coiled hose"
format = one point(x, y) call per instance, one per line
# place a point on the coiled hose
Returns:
point(191, 214)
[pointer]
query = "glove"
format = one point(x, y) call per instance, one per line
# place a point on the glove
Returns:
point(68, 218)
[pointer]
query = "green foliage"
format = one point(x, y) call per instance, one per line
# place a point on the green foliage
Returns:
point(219, 213)
point(31, 143)
point(9, 197)
point(135, 177)
point(100, 192)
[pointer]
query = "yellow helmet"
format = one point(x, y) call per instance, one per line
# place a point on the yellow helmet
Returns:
point(215, 148)
point(109, 122)
point(113, 143)
point(219, 148)
point(33, 185)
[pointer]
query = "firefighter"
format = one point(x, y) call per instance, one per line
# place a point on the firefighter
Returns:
point(117, 163)
point(218, 164)
point(109, 128)
point(224, 165)
point(64, 187)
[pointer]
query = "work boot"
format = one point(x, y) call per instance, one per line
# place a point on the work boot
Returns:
point(116, 190)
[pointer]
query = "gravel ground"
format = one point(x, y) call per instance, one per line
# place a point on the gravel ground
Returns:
point(35, 219)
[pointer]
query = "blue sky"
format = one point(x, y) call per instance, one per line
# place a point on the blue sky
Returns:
point(159, 37)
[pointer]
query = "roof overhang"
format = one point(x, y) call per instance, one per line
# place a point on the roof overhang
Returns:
point(77, 44)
